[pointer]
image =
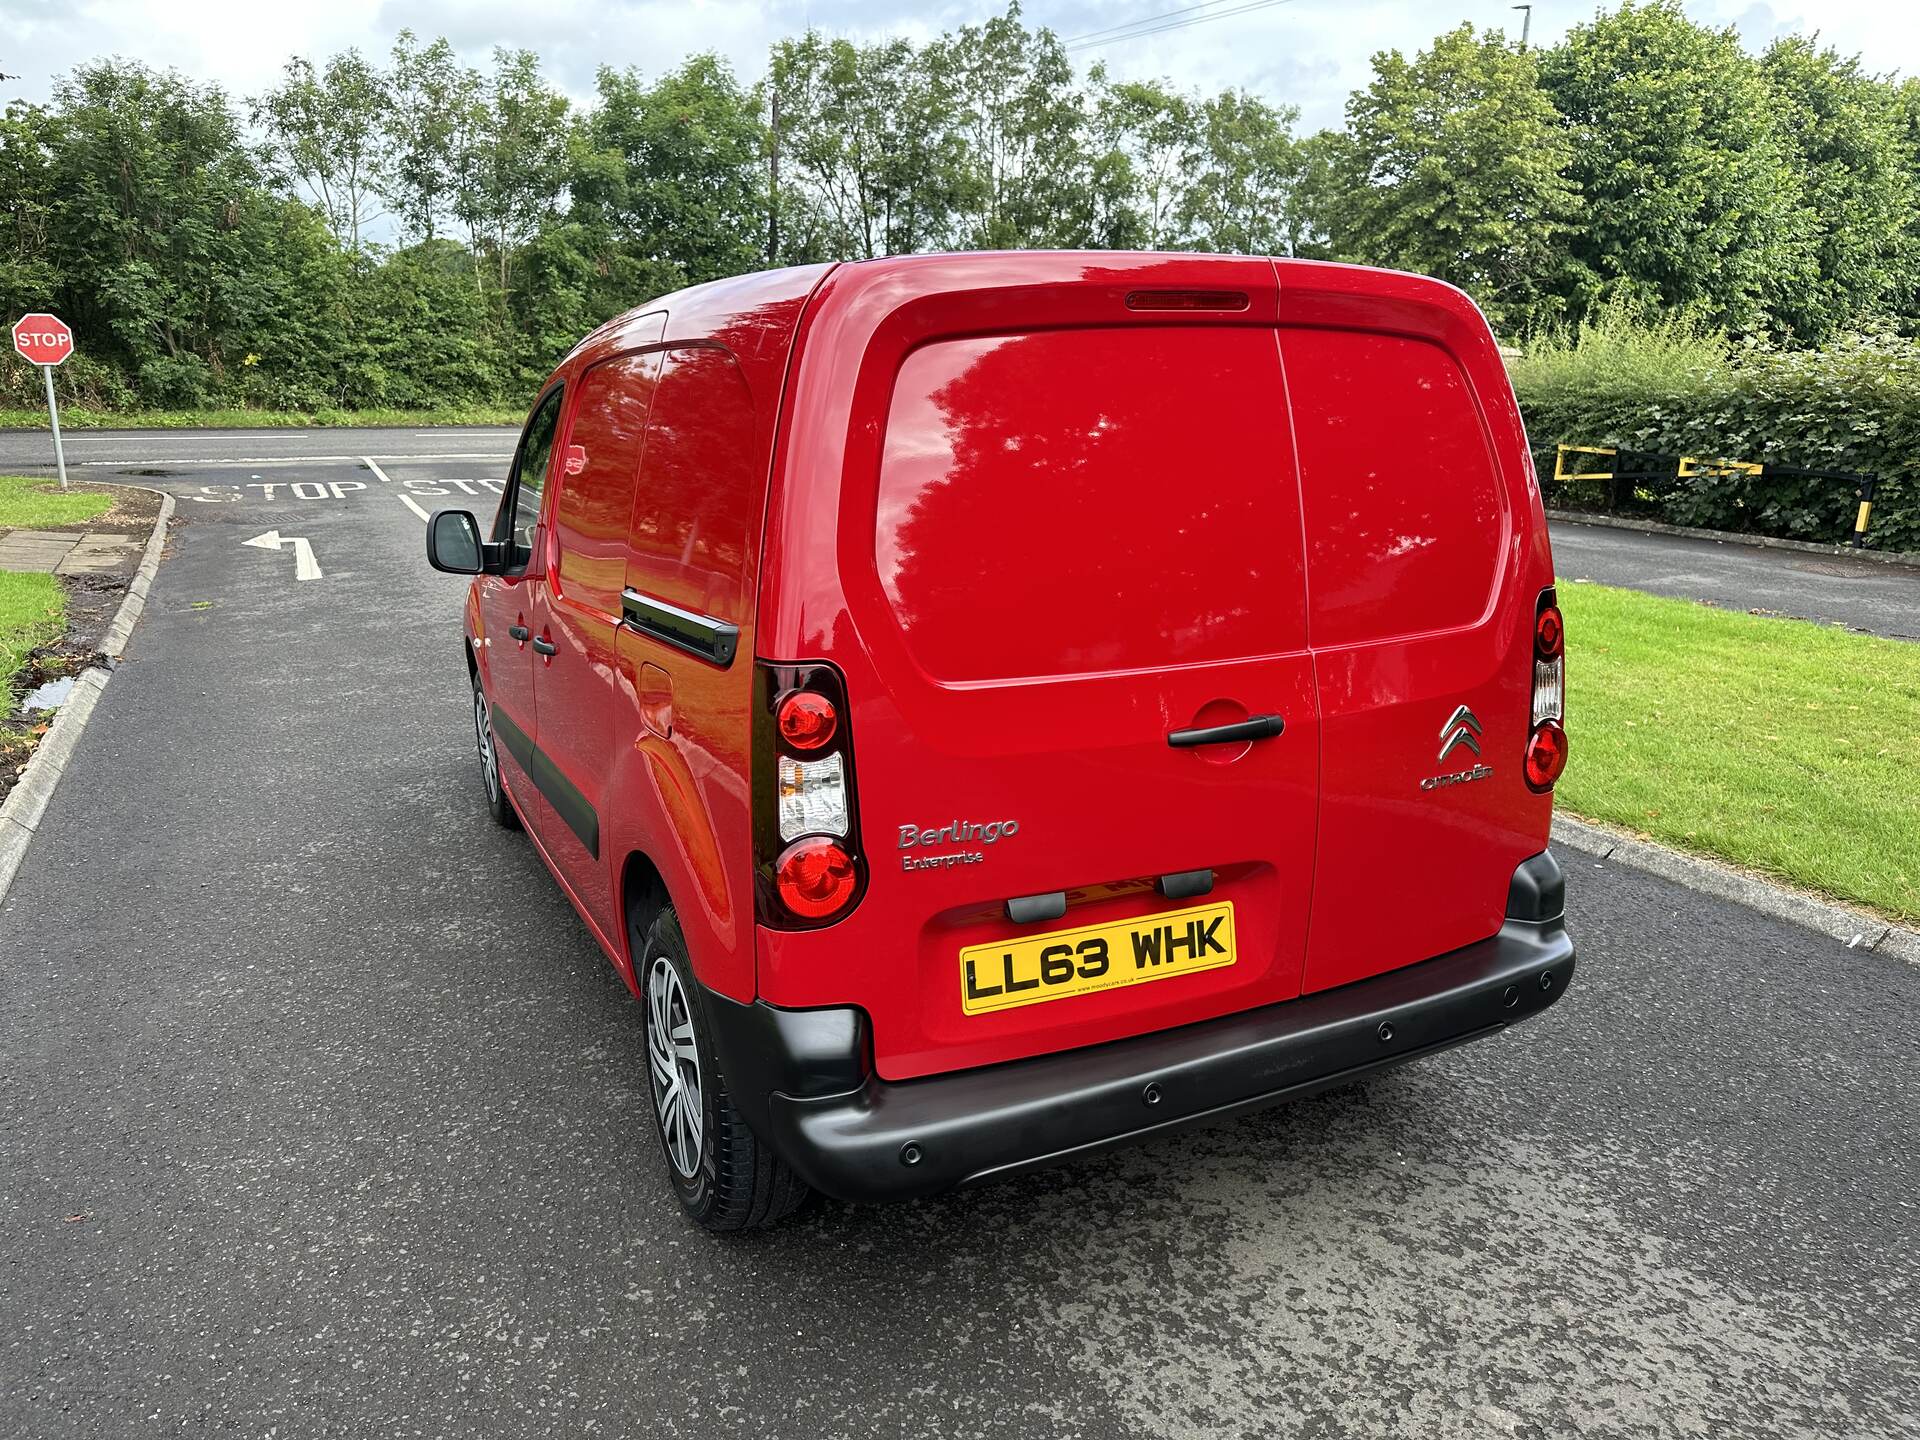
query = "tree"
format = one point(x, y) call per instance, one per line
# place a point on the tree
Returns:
point(1152, 145)
point(1313, 222)
point(510, 156)
point(677, 169)
point(1456, 167)
point(162, 226)
point(1242, 189)
point(327, 130)
point(29, 275)
point(1022, 124)
point(1689, 199)
point(866, 135)
point(1857, 197)
point(428, 94)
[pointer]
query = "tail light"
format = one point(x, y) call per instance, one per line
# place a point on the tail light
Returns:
point(805, 822)
point(1547, 738)
point(815, 878)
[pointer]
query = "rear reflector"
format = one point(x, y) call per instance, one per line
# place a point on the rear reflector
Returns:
point(815, 877)
point(1546, 755)
point(813, 797)
point(1187, 300)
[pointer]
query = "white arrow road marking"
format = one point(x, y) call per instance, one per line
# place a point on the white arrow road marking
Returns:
point(305, 567)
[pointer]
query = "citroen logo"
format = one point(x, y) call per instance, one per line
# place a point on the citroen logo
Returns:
point(1462, 728)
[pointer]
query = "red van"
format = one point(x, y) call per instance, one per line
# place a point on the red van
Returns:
point(994, 707)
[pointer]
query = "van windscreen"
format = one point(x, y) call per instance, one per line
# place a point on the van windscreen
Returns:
point(1085, 501)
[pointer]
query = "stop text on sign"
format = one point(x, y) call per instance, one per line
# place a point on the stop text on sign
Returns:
point(42, 339)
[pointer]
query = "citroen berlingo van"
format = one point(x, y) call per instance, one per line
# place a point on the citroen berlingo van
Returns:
point(995, 707)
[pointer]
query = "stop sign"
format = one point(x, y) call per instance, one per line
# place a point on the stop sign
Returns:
point(43, 339)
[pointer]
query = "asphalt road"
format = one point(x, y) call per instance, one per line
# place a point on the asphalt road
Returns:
point(321, 1115)
point(1861, 594)
point(127, 454)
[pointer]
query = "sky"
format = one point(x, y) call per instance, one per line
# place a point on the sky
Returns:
point(1308, 53)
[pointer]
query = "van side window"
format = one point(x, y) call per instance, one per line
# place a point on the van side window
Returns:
point(520, 506)
point(1404, 515)
point(591, 509)
point(696, 516)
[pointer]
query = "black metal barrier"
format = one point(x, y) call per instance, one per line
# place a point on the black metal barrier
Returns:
point(1631, 466)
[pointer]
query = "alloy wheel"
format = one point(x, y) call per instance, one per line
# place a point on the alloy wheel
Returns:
point(483, 737)
point(674, 1063)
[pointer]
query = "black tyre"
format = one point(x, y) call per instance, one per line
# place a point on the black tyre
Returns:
point(725, 1177)
point(498, 805)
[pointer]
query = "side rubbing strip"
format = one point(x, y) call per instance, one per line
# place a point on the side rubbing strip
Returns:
point(686, 630)
point(519, 744)
point(567, 801)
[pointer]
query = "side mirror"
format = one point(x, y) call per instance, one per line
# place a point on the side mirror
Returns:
point(454, 544)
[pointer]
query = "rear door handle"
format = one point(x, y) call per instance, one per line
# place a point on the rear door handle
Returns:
point(519, 632)
point(1255, 727)
point(546, 647)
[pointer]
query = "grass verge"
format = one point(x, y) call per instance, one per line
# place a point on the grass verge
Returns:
point(78, 417)
point(27, 504)
point(1782, 746)
point(33, 612)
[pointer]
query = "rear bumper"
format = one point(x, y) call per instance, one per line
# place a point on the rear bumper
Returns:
point(806, 1086)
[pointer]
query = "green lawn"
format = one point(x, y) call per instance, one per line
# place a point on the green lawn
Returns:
point(32, 612)
point(78, 417)
point(26, 505)
point(1787, 747)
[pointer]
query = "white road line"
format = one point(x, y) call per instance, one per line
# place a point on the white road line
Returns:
point(294, 459)
point(374, 466)
point(414, 505)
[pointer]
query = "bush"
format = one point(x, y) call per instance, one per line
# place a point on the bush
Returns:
point(1676, 389)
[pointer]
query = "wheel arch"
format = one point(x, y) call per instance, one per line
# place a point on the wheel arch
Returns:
point(640, 893)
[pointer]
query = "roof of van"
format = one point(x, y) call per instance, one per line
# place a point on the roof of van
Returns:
point(757, 312)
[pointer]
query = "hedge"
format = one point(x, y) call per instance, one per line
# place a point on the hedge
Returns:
point(1854, 406)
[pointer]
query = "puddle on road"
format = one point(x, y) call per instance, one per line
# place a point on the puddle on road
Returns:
point(51, 695)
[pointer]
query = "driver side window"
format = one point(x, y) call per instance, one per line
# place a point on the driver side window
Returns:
point(520, 506)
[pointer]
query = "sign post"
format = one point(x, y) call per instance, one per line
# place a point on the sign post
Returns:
point(46, 340)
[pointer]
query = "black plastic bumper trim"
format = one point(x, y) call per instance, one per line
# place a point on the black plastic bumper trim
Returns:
point(977, 1125)
point(805, 1078)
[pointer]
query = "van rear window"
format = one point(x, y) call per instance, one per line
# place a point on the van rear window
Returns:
point(1404, 517)
point(1080, 501)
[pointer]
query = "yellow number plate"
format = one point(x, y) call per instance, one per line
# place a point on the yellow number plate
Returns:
point(1034, 968)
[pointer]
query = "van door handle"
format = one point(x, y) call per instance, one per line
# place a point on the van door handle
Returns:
point(519, 632)
point(1255, 727)
point(546, 647)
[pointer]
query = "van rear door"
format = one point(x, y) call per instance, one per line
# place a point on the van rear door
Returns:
point(1041, 511)
point(1426, 554)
